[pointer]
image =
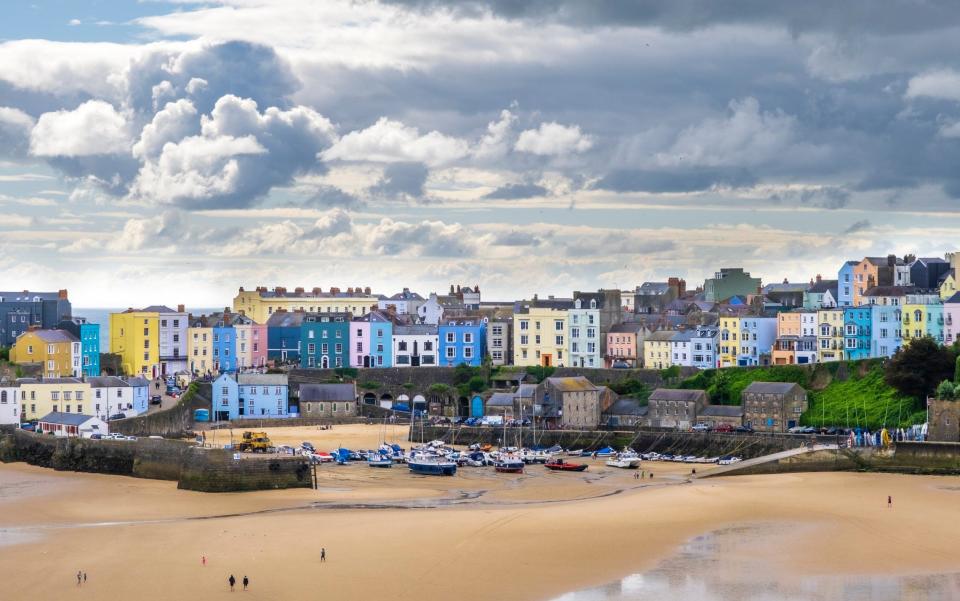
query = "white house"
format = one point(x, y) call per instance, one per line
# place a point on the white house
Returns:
point(431, 311)
point(583, 334)
point(9, 406)
point(703, 346)
point(71, 425)
point(415, 345)
point(173, 338)
point(405, 302)
point(113, 395)
point(681, 349)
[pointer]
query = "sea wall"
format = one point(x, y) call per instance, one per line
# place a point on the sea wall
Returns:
point(193, 468)
point(685, 443)
point(171, 423)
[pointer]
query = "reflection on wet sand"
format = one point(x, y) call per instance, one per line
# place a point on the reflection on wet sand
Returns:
point(724, 565)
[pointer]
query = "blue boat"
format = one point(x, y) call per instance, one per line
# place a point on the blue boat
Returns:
point(432, 466)
point(341, 455)
point(605, 452)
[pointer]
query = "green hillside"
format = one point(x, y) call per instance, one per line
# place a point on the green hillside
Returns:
point(841, 394)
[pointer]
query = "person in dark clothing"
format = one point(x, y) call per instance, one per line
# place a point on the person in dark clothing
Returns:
point(232, 582)
point(246, 581)
point(84, 577)
point(79, 576)
point(323, 554)
point(889, 501)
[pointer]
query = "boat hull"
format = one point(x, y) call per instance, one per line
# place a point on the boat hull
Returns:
point(567, 467)
point(433, 469)
point(509, 469)
point(626, 464)
point(387, 463)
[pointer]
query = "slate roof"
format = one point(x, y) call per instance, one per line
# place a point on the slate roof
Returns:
point(955, 299)
point(66, 419)
point(722, 411)
point(890, 290)
point(405, 295)
point(626, 407)
point(262, 379)
point(54, 335)
point(525, 391)
point(26, 296)
point(424, 329)
point(107, 382)
point(770, 387)
point(327, 392)
point(50, 381)
point(501, 399)
point(823, 286)
point(626, 328)
point(653, 288)
point(286, 319)
point(572, 384)
point(676, 394)
point(158, 309)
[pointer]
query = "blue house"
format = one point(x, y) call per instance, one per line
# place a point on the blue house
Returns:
point(885, 337)
point(845, 284)
point(283, 336)
point(462, 341)
point(325, 340)
point(89, 336)
point(379, 349)
point(225, 340)
point(249, 396)
point(857, 332)
point(141, 393)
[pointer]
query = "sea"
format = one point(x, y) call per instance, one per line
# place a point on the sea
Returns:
point(102, 316)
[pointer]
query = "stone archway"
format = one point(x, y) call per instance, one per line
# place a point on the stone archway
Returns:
point(369, 399)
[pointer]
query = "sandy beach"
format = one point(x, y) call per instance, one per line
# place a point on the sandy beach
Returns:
point(478, 535)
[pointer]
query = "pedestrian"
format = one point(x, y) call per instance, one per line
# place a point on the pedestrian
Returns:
point(323, 554)
point(889, 501)
point(693, 471)
point(203, 560)
point(651, 475)
point(84, 577)
point(79, 576)
point(232, 581)
point(246, 581)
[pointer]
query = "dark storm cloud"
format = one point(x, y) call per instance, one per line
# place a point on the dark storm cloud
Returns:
point(401, 180)
point(893, 16)
point(517, 192)
point(332, 196)
point(858, 226)
point(688, 180)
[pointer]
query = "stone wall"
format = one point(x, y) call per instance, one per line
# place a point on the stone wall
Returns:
point(944, 420)
point(174, 422)
point(193, 468)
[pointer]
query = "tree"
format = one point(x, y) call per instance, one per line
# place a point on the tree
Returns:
point(956, 371)
point(916, 369)
point(720, 391)
point(946, 391)
point(477, 384)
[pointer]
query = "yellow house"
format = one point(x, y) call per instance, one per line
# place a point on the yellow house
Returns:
point(39, 397)
point(261, 303)
point(656, 350)
point(829, 335)
point(727, 345)
point(539, 336)
point(57, 351)
point(200, 346)
point(135, 336)
point(949, 285)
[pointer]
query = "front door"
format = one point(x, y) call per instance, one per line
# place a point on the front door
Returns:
point(546, 360)
point(476, 407)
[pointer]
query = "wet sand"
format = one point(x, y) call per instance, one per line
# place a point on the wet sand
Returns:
point(479, 535)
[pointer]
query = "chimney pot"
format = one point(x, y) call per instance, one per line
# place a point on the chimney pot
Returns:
point(367, 290)
point(180, 308)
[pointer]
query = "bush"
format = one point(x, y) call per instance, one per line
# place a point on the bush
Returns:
point(5, 353)
point(477, 384)
point(946, 391)
point(349, 373)
point(541, 373)
point(439, 388)
point(370, 385)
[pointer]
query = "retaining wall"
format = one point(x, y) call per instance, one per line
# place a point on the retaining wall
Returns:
point(175, 422)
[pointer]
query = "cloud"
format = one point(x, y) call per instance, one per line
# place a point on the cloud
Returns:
point(553, 139)
point(402, 180)
point(391, 141)
point(167, 228)
point(176, 121)
point(15, 128)
point(858, 226)
point(950, 130)
point(943, 84)
point(517, 191)
point(673, 180)
point(238, 157)
point(93, 128)
point(331, 196)
point(426, 238)
point(517, 238)
point(496, 143)
point(825, 197)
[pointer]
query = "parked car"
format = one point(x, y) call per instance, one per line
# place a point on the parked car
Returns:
point(156, 399)
point(28, 426)
point(96, 436)
point(700, 428)
point(743, 429)
point(620, 365)
point(796, 430)
point(723, 428)
point(116, 416)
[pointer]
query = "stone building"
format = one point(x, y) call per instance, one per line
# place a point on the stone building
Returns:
point(669, 408)
point(773, 406)
point(944, 420)
point(714, 415)
point(625, 413)
point(328, 400)
point(569, 402)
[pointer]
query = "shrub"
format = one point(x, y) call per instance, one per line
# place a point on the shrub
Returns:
point(370, 385)
point(946, 391)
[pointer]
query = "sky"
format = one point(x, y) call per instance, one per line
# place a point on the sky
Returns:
point(172, 151)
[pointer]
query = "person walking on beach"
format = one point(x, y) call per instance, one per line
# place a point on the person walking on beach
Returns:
point(232, 581)
point(84, 577)
point(323, 555)
point(79, 576)
point(246, 581)
point(889, 501)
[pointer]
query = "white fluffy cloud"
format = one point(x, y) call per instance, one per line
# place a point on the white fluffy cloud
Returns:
point(554, 139)
point(391, 141)
point(93, 128)
point(15, 128)
point(67, 68)
point(176, 121)
point(941, 83)
point(495, 144)
point(162, 230)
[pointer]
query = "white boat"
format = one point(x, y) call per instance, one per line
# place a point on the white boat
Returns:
point(627, 460)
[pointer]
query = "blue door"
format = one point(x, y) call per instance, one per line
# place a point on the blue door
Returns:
point(476, 407)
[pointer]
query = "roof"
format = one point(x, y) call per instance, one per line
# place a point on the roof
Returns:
point(501, 399)
point(953, 299)
point(572, 384)
point(53, 335)
point(157, 309)
point(626, 328)
point(405, 295)
point(526, 391)
point(66, 419)
point(327, 392)
point(653, 288)
point(771, 387)
point(684, 336)
point(262, 379)
point(107, 382)
point(677, 394)
point(785, 287)
point(50, 381)
point(722, 411)
point(822, 286)
point(286, 319)
point(627, 407)
point(661, 336)
point(138, 381)
point(889, 290)
point(27, 296)
point(424, 329)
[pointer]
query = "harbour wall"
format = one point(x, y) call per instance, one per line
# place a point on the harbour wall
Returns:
point(174, 422)
point(193, 468)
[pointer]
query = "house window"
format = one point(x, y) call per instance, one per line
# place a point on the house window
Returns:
point(451, 352)
point(524, 324)
point(558, 325)
point(468, 352)
point(468, 337)
point(451, 337)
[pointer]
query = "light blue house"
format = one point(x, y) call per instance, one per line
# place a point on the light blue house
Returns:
point(845, 284)
point(885, 335)
point(89, 336)
point(462, 341)
point(250, 396)
point(141, 393)
point(857, 332)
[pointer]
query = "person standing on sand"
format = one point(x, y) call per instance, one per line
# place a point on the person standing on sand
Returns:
point(246, 581)
point(232, 581)
point(323, 555)
point(889, 501)
point(79, 576)
point(84, 577)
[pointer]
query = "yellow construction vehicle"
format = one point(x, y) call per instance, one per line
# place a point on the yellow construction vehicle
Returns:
point(254, 442)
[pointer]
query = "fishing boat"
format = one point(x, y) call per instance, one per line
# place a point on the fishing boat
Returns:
point(575, 453)
point(380, 461)
point(559, 465)
point(605, 452)
point(431, 466)
point(508, 464)
point(627, 460)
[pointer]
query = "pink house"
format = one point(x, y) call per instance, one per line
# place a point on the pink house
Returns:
point(359, 343)
point(251, 344)
point(951, 319)
point(623, 345)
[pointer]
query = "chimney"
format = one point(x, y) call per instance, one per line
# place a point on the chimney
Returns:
point(317, 291)
point(27, 292)
point(819, 278)
point(241, 288)
point(891, 260)
point(181, 308)
point(62, 294)
point(298, 290)
point(406, 290)
point(451, 289)
point(458, 288)
point(334, 291)
point(367, 290)
point(786, 281)
point(350, 290)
